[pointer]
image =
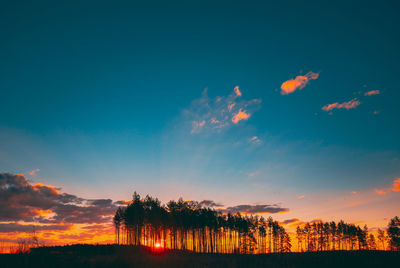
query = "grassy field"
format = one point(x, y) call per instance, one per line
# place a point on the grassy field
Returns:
point(125, 256)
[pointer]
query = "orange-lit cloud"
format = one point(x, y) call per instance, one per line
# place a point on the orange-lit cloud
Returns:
point(345, 105)
point(237, 91)
point(57, 217)
point(380, 191)
point(33, 172)
point(241, 115)
point(22, 201)
point(301, 196)
point(41, 186)
point(396, 185)
point(298, 83)
point(372, 92)
point(123, 202)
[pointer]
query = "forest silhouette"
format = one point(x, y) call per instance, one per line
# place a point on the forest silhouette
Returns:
point(188, 225)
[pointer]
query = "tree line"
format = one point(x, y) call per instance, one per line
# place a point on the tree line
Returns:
point(187, 225)
point(322, 236)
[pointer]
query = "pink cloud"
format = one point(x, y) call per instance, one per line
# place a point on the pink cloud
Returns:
point(299, 82)
point(255, 140)
point(230, 106)
point(372, 92)
point(33, 172)
point(241, 115)
point(237, 91)
point(252, 174)
point(345, 105)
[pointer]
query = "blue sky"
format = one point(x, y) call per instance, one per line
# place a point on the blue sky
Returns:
point(102, 98)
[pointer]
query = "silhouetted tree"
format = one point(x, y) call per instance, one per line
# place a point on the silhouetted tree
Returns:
point(394, 233)
point(382, 238)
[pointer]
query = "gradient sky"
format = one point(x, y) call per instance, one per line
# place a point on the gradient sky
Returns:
point(105, 99)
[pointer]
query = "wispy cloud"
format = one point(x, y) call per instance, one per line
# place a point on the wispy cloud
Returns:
point(206, 114)
point(197, 126)
point(253, 174)
point(33, 172)
point(380, 191)
point(299, 82)
point(255, 140)
point(301, 196)
point(372, 92)
point(345, 105)
point(257, 209)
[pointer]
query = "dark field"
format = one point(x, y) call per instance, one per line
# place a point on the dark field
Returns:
point(125, 256)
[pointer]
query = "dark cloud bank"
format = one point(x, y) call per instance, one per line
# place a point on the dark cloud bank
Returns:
point(30, 203)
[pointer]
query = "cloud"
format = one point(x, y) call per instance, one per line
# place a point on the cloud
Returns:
point(207, 115)
point(293, 222)
point(301, 196)
point(123, 202)
point(372, 92)
point(23, 201)
point(33, 172)
point(298, 83)
point(256, 209)
point(196, 126)
point(252, 174)
point(396, 185)
point(255, 140)
point(355, 204)
point(209, 203)
point(345, 105)
point(16, 227)
point(237, 91)
point(290, 221)
point(241, 115)
point(380, 191)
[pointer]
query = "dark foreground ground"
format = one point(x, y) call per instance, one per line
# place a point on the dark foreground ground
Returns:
point(76, 256)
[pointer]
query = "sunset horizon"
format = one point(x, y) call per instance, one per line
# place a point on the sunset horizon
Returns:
point(212, 115)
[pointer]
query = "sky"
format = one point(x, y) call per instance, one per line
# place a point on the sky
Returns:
point(288, 104)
